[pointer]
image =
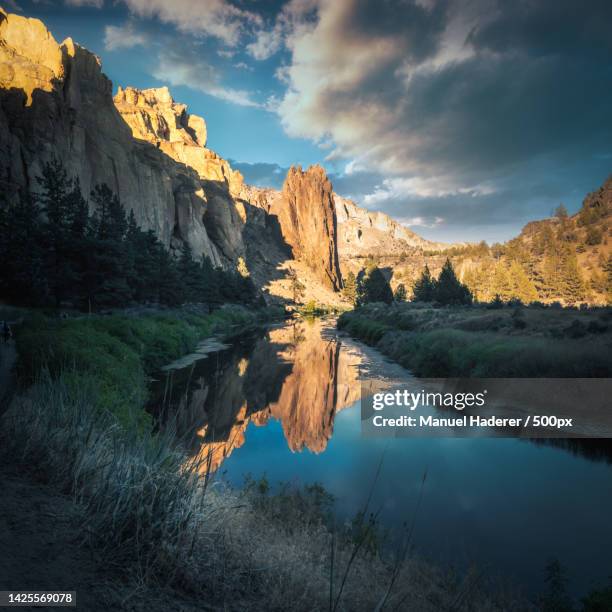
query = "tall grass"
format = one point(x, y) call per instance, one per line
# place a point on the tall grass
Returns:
point(151, 516)
point(449, 351)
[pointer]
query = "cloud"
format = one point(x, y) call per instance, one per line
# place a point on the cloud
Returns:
point(261, 174)
point(217, 18)
point(93, 3)
point(123, 37)
point(451, 95)
point(293, 17)
point(184, 66)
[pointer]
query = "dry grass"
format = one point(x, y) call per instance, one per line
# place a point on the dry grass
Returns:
point(151, 517)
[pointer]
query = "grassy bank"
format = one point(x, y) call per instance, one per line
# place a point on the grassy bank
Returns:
point(480, 342)
point(113, 355)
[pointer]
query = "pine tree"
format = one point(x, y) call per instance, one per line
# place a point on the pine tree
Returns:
point(449, 290)
point(573, 287)
point(350, 288)
point(107, 275)
point(61, 207)
point(400, 294)
point(372, 286)
point(296, 287)
point(501, 284)
point(425, 287)
point(521, 286)
point(22, 273)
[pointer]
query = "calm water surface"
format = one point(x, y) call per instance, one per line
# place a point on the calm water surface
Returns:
point(286, 404)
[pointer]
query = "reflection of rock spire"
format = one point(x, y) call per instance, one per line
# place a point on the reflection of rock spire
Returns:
point(295, 376)
point(307, 403)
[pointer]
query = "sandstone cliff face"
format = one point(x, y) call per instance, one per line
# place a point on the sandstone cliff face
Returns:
point(362, 232)
point(56, 102)
point(307, 218)
point(153, 116)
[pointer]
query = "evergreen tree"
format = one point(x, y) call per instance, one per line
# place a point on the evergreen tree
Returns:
point(521, 286)
point(350, 288)
point(400, 294)
point(372, 286)
point(22, 272)
point(573, 287)
point(107, 273)
point(61, 207)
point(296, 287)
point(191, 288)
point(425, 287)
point(561, 212)
point(449, 290)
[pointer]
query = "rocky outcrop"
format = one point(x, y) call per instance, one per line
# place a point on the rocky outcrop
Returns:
point(307, 219)
point(56, 102)
point(362, 232)
point(153, 116)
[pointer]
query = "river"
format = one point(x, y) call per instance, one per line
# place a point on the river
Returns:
point(285, 404)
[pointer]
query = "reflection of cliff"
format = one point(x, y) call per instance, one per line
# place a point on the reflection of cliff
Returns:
point(295, 375)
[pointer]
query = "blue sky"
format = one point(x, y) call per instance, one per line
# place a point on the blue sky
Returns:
point(464, 119)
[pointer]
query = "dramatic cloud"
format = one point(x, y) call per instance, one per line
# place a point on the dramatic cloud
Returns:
point(218, 18)
point(453, 95)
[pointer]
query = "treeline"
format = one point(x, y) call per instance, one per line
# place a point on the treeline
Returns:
point(371, 285)
point(544, 263)
point(57, 250)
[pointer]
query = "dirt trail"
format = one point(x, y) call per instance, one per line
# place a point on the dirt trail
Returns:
point(8, 357)
point(40, 550)
point(38, 547)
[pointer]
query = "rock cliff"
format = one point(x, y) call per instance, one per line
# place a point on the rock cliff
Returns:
point(362, 232)
point(306, 214)
point(55, 102)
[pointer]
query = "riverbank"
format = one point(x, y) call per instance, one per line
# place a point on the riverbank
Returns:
point(112, 356)
point(155, 523)
point(479, 342)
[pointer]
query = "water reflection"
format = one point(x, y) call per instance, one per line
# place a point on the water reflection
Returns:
point(506, 504)
point(295, 373)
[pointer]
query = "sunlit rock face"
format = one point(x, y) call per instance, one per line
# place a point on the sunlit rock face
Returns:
point(155, 117)
point(363, 232)
point(55, 102)
point(307, 218)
